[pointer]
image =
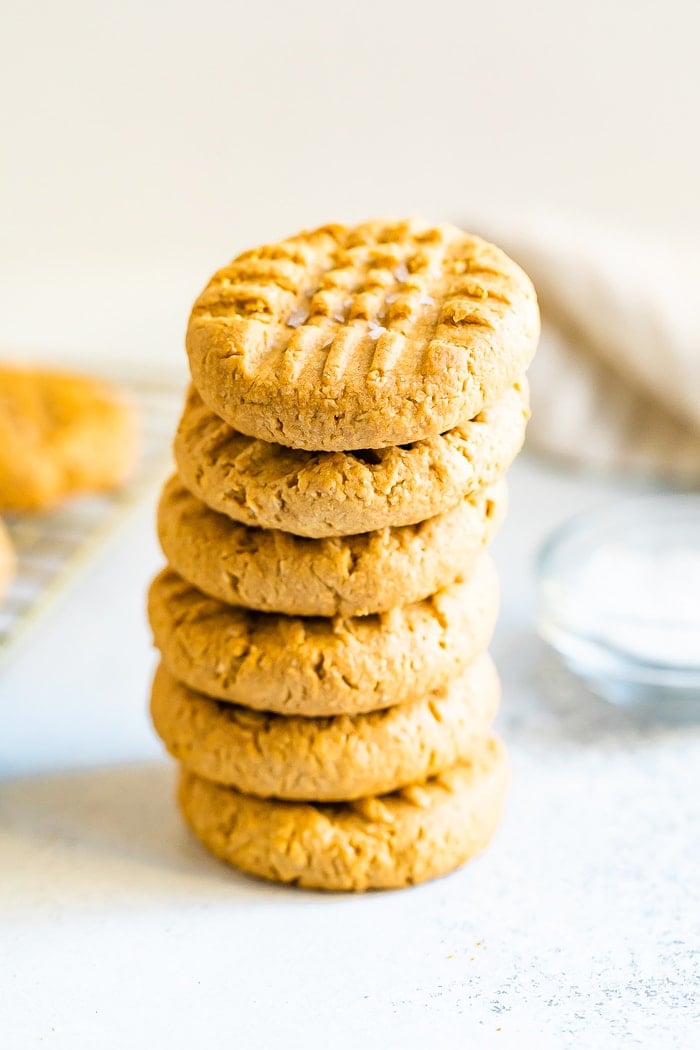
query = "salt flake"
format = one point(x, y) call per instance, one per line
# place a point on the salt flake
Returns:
point(297, 317)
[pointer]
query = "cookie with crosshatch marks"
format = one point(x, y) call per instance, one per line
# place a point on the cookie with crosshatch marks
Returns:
point(346, 575)
point(325, 759)
point(361, 337)
point(60, 435)
point(316, 666)
point(380, 842)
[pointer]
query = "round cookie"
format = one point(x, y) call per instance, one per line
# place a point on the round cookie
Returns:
point(316, 667)
point(413, 835)
point(60, 435)
point(7, 560)
point(273, 571)
point(361, 337)
point(320, 494)
point(326, 759)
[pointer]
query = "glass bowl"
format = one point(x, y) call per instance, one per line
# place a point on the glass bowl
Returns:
point(619, 600)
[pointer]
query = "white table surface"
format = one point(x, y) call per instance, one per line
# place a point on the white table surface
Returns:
point(579, 927)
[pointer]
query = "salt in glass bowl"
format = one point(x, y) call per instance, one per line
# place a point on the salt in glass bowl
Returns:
point(619, 601)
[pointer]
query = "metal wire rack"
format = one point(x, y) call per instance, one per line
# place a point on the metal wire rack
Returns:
point(52, 548)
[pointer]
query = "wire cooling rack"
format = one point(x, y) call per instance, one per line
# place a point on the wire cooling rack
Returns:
point(52, 548)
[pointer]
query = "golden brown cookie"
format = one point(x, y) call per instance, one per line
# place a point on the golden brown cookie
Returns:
point(385, 842)
point(326, 759)
point(317, 667)
point(7, 560)
point(60, 435)
point(349, 576)
point(321, 494)
point(361, 337)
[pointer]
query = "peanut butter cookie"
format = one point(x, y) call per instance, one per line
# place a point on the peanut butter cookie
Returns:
point(349, 576)
point(318, 667)
point(325, 759)
point(321, 494)
point(385, 842)
point(60, 435)
point(361, 337)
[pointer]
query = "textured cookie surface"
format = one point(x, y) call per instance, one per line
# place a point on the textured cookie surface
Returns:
point(313, 666)
point(325, 759)
point(274, 571)
point(60, 435)
point(7, 560)
point(321, 494)
point(383, 842)
point(361, 337)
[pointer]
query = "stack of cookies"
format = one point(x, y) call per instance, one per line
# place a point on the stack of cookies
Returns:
point(358, 394)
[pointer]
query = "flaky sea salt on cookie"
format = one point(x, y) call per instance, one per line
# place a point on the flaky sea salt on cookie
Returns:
point(326, 759)
point(385, 842)
point(361, 337)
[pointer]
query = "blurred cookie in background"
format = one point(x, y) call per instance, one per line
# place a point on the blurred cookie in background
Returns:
point(60, 435)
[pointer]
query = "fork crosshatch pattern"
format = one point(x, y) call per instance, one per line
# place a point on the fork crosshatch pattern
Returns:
point(361, 337)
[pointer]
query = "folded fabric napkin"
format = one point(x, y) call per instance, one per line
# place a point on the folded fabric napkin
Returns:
point(616, 381)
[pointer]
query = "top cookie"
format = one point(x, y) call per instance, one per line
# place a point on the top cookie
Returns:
point(361, 337)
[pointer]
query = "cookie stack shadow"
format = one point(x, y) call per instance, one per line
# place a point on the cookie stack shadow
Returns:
point(324, 618)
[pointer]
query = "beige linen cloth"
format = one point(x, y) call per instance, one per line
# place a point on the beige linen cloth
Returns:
point(616, 381)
